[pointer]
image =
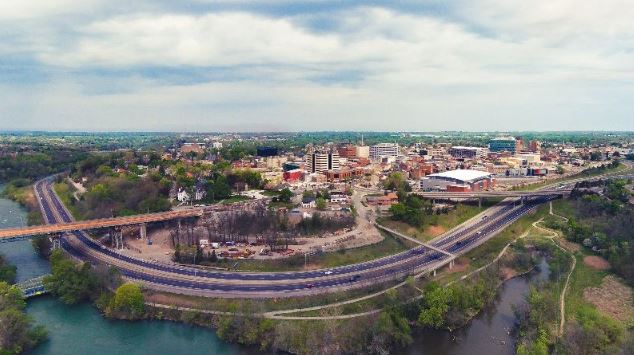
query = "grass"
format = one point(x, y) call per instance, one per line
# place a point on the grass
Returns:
point(438, 224)
point(387, 246)
point(489, 250)
point(259, 305)
point(65, 193)
point(234, 199)
point(270, 193)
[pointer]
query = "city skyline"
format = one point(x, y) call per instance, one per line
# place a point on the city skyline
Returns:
point(282, 66)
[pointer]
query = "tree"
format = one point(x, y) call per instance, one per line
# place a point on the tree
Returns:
point(129, 299)
point(320, 203)
point(17, 333)
point(42, 246)
point(7, 271)
point(436, 302)
point(70, 282)
point(285, 195)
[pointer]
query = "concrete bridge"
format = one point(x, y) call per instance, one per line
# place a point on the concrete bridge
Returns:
point(141, 220)
point(483, 194)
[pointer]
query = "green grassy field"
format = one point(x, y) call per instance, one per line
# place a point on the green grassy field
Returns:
point(65, 193)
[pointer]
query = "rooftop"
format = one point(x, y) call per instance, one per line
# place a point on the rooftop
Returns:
point(462, 175)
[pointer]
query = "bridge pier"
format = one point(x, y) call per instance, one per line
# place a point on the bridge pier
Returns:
point(434, 272)
point(143, 231)
point(117, 238)
point(479, 202)
point(451, 264)
point(56, 241)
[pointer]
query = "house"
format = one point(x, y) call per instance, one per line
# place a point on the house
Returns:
point(336, 198)
point(182, 195)
point(200, 190)
point(309, 202)
point(386, 200)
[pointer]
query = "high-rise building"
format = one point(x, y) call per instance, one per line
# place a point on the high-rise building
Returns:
point(318, 162)
point(503, 144)
point(384, 150)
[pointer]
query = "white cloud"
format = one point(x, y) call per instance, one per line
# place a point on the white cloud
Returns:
point(548, 64)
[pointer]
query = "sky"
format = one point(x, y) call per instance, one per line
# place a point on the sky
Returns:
point(292, 65)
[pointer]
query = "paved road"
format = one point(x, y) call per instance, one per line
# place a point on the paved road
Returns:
point(194, 281)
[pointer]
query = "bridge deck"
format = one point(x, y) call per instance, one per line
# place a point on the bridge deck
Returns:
point(99, 223)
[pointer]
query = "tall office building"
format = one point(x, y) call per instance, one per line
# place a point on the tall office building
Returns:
point(319, 162)
point(384, 150)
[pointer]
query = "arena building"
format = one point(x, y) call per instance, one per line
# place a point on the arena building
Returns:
point(461, 180)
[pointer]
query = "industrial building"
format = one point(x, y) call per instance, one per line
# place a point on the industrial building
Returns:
point(461, 180)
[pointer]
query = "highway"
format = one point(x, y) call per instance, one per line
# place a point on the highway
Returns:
point(189, 280)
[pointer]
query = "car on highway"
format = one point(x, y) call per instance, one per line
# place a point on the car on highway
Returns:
point(328, 272)
point(485, 217)
point(354, 278)
point(310, 285)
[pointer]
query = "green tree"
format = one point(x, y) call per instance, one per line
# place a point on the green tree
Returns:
point(129, 299)
point(320, 203)
point(17, 333)
point(436, 300)
point(7, 271)
point(70, 282)
point(285, 195)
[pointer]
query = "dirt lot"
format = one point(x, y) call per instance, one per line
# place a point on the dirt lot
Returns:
point(436, 230)
point(596, 262)
point(612, 298)
point(460, 265)
point(507, 273)
point(570, 246)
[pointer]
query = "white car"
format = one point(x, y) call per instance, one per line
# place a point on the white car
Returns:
point(327, 272)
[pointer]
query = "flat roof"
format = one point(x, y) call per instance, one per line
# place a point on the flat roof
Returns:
point(462, 175)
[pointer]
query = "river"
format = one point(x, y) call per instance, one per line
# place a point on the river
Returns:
point(80, 329)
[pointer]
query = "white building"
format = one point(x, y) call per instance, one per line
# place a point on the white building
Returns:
point(182, 195)
point(363, 151)
point(337, 198)
point(460, 180)
point(384, 150)
point(319, 162)
point(217, 145)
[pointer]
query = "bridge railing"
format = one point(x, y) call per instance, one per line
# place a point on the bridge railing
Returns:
point(33, 287)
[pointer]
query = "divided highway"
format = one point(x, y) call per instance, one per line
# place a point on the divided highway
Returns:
point(194, 281)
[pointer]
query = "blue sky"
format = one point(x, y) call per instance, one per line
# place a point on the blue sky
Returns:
point(108, 65)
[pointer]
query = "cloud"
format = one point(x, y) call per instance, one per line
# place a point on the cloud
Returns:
point(544, 64)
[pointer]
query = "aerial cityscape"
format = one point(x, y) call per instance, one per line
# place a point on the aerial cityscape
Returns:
point(278, 177)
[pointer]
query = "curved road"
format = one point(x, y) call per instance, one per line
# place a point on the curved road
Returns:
point(188, 280)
